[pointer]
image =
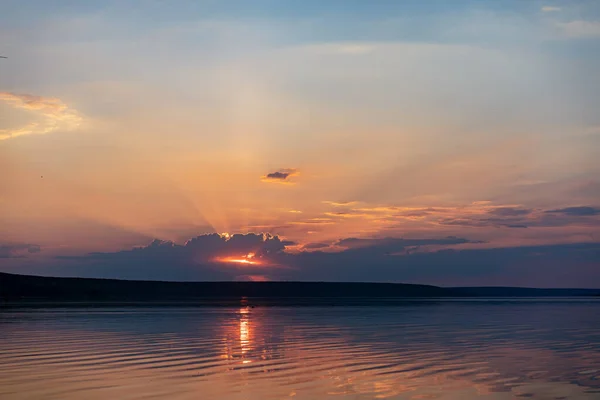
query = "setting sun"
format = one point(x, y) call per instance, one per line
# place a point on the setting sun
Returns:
point(247, 259)
point(239, 260)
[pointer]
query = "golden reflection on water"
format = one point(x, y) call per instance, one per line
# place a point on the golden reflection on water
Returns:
point(270, 353)
point(238, 337)
point(245, 331)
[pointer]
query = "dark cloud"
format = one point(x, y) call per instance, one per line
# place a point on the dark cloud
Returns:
point(206, 247)
point(398, 244)
point(280, 176)
point(196, 259)
point(509, 217)
point(577, 211)
point(18, 250)
point(535, 266)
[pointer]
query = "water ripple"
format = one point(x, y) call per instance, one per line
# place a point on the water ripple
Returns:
point(452, 350)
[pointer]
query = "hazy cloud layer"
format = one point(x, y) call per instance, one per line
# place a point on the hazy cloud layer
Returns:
point(580, 28)
point(18, 250)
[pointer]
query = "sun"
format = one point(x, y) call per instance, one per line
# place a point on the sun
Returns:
point(239, 260)
point(248, 259)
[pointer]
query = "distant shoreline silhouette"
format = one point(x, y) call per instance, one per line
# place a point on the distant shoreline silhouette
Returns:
point(26, 288)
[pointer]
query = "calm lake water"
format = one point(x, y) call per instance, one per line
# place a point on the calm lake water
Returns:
point(540, 349)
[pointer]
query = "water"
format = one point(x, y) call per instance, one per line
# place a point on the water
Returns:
point(546, 349)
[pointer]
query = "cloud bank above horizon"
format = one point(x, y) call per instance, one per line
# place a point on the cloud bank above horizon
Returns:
point(439, 261)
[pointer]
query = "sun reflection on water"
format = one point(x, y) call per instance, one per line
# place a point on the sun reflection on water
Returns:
point(244, 330)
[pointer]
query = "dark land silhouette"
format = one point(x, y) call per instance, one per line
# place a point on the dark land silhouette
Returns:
point(24, 288)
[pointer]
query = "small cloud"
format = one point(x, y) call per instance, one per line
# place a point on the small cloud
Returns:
point(18, 250)
point(280, 176)
point(295, 211)
point(56, 114)
point(340, 203)
point(550, 9)
point(584, 211)
point(580, 28)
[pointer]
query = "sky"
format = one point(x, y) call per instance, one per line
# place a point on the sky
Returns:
point(452, 143)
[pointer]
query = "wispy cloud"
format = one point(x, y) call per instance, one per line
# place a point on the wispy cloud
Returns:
point(580, 28)
point(56, 114)
point(340, 203)
point(577, 211)
point(514, 217)
point(390, 245)
point(485, 215)
point(350, 214)
point(550, 9)
point(341, 48)
point(314, 221)
point(353, 48)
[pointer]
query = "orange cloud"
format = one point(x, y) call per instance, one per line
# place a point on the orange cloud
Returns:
point(314, 221)
point(340, 203)
point(56, 114)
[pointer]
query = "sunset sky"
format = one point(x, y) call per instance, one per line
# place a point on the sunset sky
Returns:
point(441, 142)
